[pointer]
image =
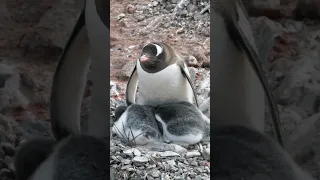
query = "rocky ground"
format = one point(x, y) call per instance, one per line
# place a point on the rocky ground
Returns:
point(33, 33)
point(185, 26)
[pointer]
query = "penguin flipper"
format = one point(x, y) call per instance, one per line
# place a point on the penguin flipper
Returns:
point(67, 91)
point(183, 69)
point(240, 39)
point(132, 87)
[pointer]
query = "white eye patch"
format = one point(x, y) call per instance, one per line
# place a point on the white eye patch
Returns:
point(159, 49)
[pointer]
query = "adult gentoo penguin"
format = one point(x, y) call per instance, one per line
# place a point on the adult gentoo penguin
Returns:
point(238, 83)
point(163, 77)
point(75, 157)
point(90, 36)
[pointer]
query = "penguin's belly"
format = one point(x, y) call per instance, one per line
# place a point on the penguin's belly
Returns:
point(168, 85)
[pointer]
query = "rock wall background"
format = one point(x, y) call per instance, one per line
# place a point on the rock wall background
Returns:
point(292, 29)
point(33, 33)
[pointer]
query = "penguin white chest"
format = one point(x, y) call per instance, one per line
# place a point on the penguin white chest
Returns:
point(166, 85)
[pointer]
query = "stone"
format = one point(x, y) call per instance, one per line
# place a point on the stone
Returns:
point(269, 8)
point(191, 154)
point(6, 173)
point(205, 107)
point(120, 16)
point(200, 57)
point(113, 89)
point(28, 11)
point(125, 161)
point(10, 95)
point(5, 123)
point(114, 149)
point(289, 120)
point(59, 32)
point(140, 160)
point(271, 4)
point(2, 154)
point(131, 9)
point(8, 162)
point(192, 61)
point(155, 173)
point(308, 8)
point(296, 82)
point(299, 143)
point(265, 31)
point(132, 152)
point(36, 127)
point(27, 81)
point(168, 154)
point(293, 26)
point(171, 162)
point(194, 163)
point(206, 153)
point(8, 148)
point(126, 70)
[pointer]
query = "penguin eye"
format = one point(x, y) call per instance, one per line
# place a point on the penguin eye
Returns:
point(154, 50)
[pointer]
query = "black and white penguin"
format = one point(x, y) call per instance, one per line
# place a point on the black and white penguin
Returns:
point(183, 122)
point(137, 124)
point(162, 76)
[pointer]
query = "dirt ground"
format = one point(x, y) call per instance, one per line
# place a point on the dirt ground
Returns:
point(129, 34)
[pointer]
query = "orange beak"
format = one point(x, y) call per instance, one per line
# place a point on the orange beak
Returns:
point(143, 58)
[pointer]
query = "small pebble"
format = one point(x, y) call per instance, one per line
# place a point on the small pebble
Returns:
point(131, 9)
point(171, 162)
point(206, 153)
point(168, 154)
point(194, 163)
point(132, 152)
point(6, 173)
point(120, 16)
point(139, 160)
point(155, 173)
point(193, 154)
point(126, 161)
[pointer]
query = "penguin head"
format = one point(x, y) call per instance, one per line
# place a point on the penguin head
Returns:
point(153, 57)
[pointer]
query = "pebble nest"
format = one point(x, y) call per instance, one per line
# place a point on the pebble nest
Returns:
point(161, 160)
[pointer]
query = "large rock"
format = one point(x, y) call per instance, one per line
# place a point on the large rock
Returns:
point(308, 9)
point(4, 15)
point(268, 4)
point(300, 142)
point(23, 11)
point(10, 95)
point(269, 8)
point(265, 31)
point(58, 22)
point(39, 29)
point(299, 81)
